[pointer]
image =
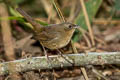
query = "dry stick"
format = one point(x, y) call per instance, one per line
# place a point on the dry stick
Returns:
point(99, 74)
point(49, 9)
point(6, 32)
point(80, 59)
point(84, 31)
point(59, 11)
point(74, 48)
point(86, 38)
point(73, 7)
point(87, 22)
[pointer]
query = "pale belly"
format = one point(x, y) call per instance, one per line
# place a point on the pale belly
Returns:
point(56, 43)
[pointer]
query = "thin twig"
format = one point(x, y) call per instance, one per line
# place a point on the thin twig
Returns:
point(99, 74)
point(87, 22)
point(59, 11)
point(84, 73)
point(84, 31)
point(72, 11)
point(86, 38)
point(49, 9)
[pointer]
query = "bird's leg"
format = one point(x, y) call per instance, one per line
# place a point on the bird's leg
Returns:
point(45, 52)
point(46, 55)
point(71, 62)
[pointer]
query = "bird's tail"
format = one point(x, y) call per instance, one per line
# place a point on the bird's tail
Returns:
point(29, 18)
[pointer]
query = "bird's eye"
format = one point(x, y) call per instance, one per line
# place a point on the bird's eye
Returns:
point(70, 26)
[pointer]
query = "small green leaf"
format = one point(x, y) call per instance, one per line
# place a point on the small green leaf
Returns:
point(13, 18)
point(14, 12)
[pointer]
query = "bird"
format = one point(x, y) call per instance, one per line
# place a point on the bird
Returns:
point(53, 36)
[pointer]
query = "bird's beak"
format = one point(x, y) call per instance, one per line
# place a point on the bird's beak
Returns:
point(76, 26)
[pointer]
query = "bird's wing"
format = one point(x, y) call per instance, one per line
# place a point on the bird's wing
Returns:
point(47, 34)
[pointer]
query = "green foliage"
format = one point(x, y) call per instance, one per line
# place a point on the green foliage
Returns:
point(14, 12)
point(13, 18)
point(92, 7)
point(17, 16)
point(117, 4)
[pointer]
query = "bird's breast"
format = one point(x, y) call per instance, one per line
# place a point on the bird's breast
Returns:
point(61, 40)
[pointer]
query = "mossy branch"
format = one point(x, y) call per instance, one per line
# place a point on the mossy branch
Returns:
point(36, 63)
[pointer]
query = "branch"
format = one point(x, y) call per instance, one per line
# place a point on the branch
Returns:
point(35, 63)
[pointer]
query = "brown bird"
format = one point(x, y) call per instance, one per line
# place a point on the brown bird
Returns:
point(54, 36)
